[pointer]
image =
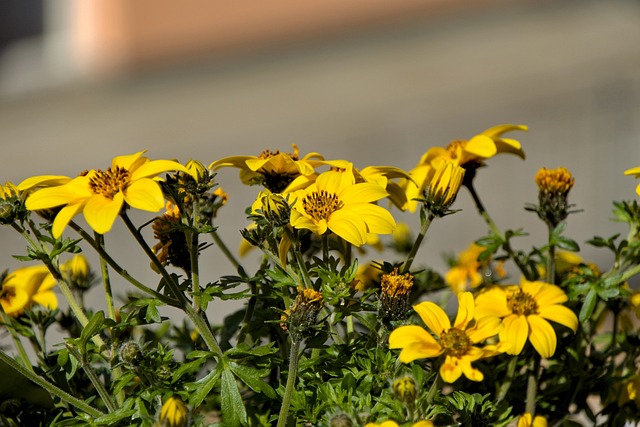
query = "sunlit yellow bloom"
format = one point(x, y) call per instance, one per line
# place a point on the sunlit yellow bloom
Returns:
point(455, 343)
point(636, 172)
point(76, 270)
point(100, 195)
point(525, 311)
point(174, 413)
point(273, 169)
point(420, 177)
point(525, 421)
point(467, 270)
point(334, 203)
point(27, 286)
point(366, 276)
point(197, 170)
point(443, 188)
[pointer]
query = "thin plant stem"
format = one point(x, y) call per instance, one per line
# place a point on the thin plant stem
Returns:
point(532, 386)
point(298, 255)
point(117, 268)
point(504, 387)
point(102, 391)
point(432, 391)
point(191, 236)
point(227, 253)
point(325, 247)
point(424, 227)
point(251, 305)
point(24, 358)
point(52, 389)
point(551, 260)
point(184, 304)
point(291, 382)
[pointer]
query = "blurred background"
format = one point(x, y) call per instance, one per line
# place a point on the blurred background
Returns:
point(374, 82)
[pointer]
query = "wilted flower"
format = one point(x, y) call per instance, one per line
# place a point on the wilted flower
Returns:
point(394, 295)
point(303, 314)
point(525, 310)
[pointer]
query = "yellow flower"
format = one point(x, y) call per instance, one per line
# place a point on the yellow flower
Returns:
point(174, 413)
point(335, 203)
point(455, 343)
point(100, 195)
point(443, 188)
point(525, 421)
point(27, 286)
point(77, 270)
point(366, 276)
point(466, 271)
point(525, 311)
point(272, 169)
point(391, 423)
point(636, 172)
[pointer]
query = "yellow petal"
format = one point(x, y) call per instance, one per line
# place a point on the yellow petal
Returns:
point(524, 420)
point(450, 371)
point(547, 294)
point(470, 372)
point(465, 310)
point(632, 171)
point(497, 131)
point(492, 302)
point(232, 161)
point(508, 145)
point(560, 314)
point(156, 167)
point(46, 299)
point(485, 327)
point(349, 226)
point(515, 332)
point(64, 217)
point(126, 161)
point(101, 212)
point(542, 336)
point(363, 193)
point(42, 181)
point(144, 194)
point(481, 146)
point(415, 342)
point(378, 219)
point(51, 197)
point(433, 316)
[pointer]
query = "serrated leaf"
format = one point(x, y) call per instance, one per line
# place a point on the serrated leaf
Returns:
point(201, 388)
point(93, 327)
point(252, 378)
point(234, 413)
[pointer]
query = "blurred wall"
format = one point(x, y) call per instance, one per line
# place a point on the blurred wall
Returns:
point(381, 95)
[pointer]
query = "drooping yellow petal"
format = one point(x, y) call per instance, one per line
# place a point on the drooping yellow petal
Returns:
point(632, 171)
point(144, 194)
point(64, 217)
point(542, 336)
point(560, 314)
point(51, 197)
point(415, 342)
point(433, 316)
point(363, 193)
point(470, 372)
point(515, 332)
point(126, 161)
point(466, 310)
point(101, 212)
point(156, 167)
point(481, 146)
point(42, 181)
point(47, 299)
point(497, 131)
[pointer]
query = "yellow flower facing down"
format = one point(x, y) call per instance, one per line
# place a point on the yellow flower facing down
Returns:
point(636, 173)
point(174, 413)
point(467, 270)
point(333, 202)
point(525, 311)
point(27, 286)
point(100, 195)
point(455, 342)
point(443, 188)
point(525, 421)
point(273, 169)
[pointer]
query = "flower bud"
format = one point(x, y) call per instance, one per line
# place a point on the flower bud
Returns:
point(174, 413)
point(405, 390)
point(394, 295)
point(77, 270)
point(443, 189)
point(130, 353)
point(303, 314)
point(341, 420)
point(554, 186)
point(197, 170)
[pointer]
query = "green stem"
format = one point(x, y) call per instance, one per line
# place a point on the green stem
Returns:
point(52, 389)
point(298, 255)
point(434, 388)
point(191, 236)
point(184, 304)
point(551, 260)
point(24, 358)
point(291, 382)
point(424, 227)
point(532, 386)
point(504, 387)
point(325, 247)
point(350, 328)
point(118, 269)
point(102, 391)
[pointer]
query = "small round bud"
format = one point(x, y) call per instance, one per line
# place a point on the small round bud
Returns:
point(341, 420)
point(130, 353)
point(405, 390)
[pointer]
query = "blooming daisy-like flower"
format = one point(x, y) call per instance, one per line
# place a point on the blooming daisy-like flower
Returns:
point(455, 342)
point(100, 195)
point(333, 202)
point(466, 271)
point(27, 286)
point(525, 311)
point(636, 173)
point(273, 169)
point(525, 421)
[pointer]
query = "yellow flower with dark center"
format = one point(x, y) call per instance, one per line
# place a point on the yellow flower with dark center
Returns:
point(274, 170)
point(467, 270)
point(27, 286)
point(525, 311)
point(443, 188)
point(525, 421)
point(100, 195)
point(333, 202)
point(394, 295)
point(456, 343)
point(174, 413)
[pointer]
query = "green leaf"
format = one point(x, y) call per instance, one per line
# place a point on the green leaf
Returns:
point(93, 327)
point(589, 305)
point(252, 378)
point(200, 389)
point(567, 244)
point(233, 411)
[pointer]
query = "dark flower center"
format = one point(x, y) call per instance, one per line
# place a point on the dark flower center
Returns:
point(321, 204)
point(110, 182)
